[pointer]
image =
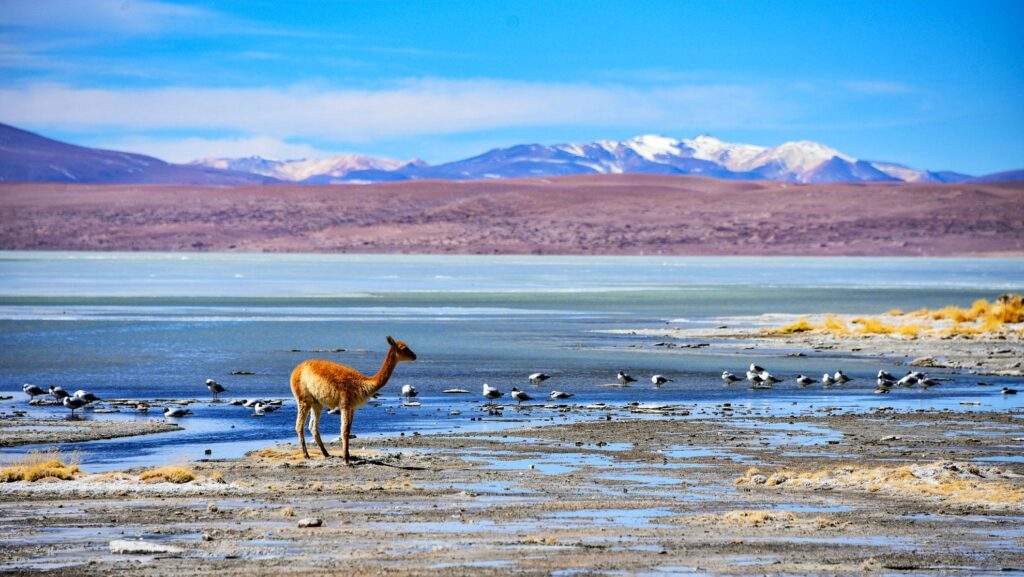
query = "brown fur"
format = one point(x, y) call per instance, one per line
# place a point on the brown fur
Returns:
point(317, 383)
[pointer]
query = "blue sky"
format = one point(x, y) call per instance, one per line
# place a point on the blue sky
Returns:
point(932, 84)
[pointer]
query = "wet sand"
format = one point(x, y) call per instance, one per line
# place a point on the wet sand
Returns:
point(622, 492)
point(17, 429)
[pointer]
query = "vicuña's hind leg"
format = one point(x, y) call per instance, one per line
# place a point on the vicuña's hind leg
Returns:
point(346, 430)
point(300, 421)
point(314, 427)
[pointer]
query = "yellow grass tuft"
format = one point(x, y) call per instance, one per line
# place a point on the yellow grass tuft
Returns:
point(801, 325)
point(910, 331)
point(37, 465)
point(835, 325)
point(869, 326)
point(169, 474)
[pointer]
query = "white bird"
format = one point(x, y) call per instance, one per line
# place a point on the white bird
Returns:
point(908, 380)
point(840, 377)
point(1009, 391)
point(73, 403)
point(266, 407)
point(538, 378)
point(928, 382)
point(759, 383)
point(881, 382)
point(917, 375)
point(885, 375)
point(215, 387)
point(32, 390)
point(559, 395)
point(827, 380)
point(520, 396)
point(409, 391)
point(659, 380)
point(58, 392)
point(768, 377)
point(804, 380)
point(623, 378)
point(86, 396)
point(729, 377)
point(755, 368)
point(491, 392)
point(250, 403)
point(175, 412)
point(754, 376)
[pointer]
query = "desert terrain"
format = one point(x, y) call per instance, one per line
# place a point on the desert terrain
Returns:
point(610, 214)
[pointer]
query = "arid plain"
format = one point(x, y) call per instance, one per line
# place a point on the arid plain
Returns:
point(611, 214)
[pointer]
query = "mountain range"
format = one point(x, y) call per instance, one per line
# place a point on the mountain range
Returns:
point(29, 157)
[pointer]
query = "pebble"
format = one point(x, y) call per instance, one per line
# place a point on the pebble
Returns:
point(310, 522)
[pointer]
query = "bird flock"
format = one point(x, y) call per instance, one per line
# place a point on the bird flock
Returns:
point(757, 376)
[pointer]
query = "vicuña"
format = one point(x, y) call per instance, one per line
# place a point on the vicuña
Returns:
point(317, 383)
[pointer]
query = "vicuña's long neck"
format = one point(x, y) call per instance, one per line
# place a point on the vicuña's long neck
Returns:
point(380, 379)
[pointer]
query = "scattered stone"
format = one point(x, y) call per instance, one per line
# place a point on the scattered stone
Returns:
point(310, 522)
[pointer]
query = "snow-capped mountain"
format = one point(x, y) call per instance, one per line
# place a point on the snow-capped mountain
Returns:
point(323, 170)
point(801, 161)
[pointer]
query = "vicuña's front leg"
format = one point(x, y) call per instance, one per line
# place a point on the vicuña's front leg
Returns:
point(315, 425)
point(346, 430)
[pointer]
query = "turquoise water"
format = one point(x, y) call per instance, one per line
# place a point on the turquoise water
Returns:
point(155, 326)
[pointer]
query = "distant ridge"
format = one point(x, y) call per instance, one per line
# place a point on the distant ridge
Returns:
point(29, 157)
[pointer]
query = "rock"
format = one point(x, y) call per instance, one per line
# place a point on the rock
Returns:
point(923, 362)
point(310, 522)
point(140, 547)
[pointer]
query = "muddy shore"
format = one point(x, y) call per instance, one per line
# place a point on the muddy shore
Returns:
point(611, 495)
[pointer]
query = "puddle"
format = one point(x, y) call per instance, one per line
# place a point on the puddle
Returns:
point(1001, 459)
point(688, 452)
point(630, 518)
point(641, 479)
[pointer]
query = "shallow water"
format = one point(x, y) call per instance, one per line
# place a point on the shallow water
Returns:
point(135, 325)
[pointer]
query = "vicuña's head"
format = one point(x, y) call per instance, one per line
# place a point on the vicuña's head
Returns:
point(403, 350)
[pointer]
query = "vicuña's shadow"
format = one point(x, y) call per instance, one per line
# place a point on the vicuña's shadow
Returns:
point(359, 461)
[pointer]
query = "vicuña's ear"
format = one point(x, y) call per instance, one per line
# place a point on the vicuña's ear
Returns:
point(391, 341)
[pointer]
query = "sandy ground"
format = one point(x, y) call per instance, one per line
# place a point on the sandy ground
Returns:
point(609, 496)
point(608, 214)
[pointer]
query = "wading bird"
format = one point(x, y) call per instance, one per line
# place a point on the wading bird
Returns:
point(729, 378)
point(32, 391)
point(176, 412)
point(538, 378)
point(409, 391)
point(659, 380)
point(555, 395)
point(520, 396)
point(624, 379)
point(490, 392)
point(215, 387)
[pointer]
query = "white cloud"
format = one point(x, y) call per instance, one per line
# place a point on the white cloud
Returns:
point(131, 16)
point(407, 108)
point(878, 87)
point(188, 149)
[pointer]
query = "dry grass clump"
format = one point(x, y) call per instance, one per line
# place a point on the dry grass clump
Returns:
point(959, 483)
point(835, 326)
point(910, 331)
point(37, 465)
point(801, 325)
point(982, 318)
point(168, 474)
point(757, 518)
point(869, 326)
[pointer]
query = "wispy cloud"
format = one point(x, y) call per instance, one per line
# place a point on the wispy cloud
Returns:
point(877, 87)
point(406, 108)
point(188, 149)
point(126, 16)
